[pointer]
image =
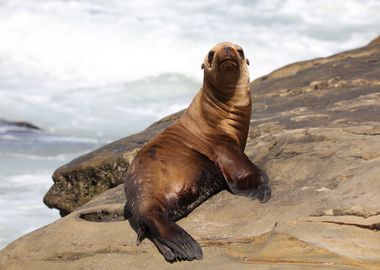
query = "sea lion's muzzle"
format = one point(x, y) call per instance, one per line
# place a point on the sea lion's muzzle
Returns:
point(228, 59)
point(225, 57)
point(229, 64)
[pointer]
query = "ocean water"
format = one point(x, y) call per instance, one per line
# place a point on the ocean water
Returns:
point(91, 71)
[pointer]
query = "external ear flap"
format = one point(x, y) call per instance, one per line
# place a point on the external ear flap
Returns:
point(202, 66)
point(247, 61)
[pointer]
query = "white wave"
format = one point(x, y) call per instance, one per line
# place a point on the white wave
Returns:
point(102, 112)
point(9, 137)
point(70, 139)
point(34, 157)
point(98, 42)
point(43, 137)
point(13, 128)
point(22, 208)
point(39, 178)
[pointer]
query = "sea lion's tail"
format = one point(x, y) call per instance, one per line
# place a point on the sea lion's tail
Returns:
point(170, 239)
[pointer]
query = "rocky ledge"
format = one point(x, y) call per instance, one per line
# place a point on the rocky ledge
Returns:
point(315, 129)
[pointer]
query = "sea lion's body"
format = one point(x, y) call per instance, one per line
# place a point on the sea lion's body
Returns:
point(199, 155)
point(186, 177)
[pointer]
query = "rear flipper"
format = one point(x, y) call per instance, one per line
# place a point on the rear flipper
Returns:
point(171, 240)
point(169, 255)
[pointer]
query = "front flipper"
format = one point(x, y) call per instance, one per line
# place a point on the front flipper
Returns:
point(263, 192)
point(243, 177)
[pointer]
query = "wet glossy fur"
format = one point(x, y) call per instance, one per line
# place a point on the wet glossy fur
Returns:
point(199, 155)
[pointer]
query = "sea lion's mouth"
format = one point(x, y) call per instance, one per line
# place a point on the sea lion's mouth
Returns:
point(228, 64)
point(232, 60)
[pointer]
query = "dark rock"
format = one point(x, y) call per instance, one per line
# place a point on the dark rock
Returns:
point(21, 124)
point(80, 180)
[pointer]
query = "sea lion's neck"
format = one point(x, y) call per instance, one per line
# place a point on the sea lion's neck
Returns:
point(227, 92)
point(212, 116)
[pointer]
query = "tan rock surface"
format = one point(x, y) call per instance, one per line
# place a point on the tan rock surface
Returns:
point(315, 130)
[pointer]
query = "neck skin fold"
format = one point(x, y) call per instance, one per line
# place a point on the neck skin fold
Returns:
point(227, 90)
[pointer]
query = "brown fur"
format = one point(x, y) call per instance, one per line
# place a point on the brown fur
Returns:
point(196, 157)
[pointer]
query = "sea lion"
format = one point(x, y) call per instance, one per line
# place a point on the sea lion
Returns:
point(199, 155)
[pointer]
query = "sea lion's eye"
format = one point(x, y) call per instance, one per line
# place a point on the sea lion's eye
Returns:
point(210, 56)
point(241, 53)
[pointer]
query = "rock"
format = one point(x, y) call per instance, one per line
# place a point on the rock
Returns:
point(80, 180)
point(20, 124)
point(288, 232)
point(315, 130)
point(375, 42)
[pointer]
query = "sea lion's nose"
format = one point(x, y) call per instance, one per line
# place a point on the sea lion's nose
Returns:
point(228, 50)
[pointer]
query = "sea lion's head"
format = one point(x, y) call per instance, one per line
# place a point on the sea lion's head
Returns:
point(225, 68)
